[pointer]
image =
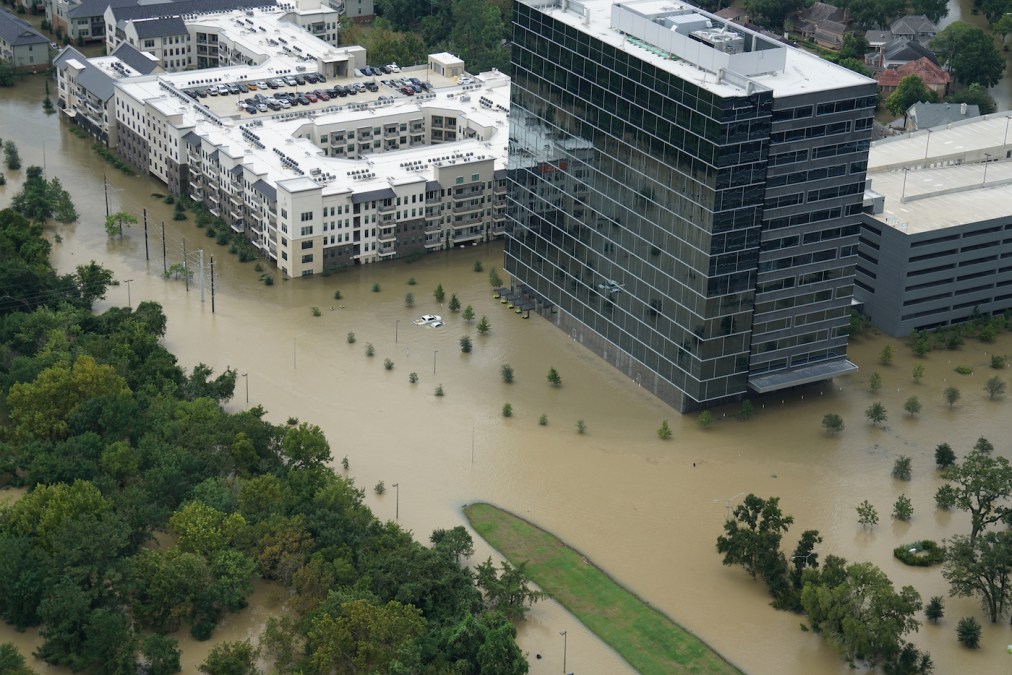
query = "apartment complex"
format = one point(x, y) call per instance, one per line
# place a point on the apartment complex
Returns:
point(23, 47)
point(685, 195)
point(936, 238)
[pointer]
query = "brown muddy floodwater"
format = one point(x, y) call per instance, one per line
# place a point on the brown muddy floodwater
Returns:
point(636, 505)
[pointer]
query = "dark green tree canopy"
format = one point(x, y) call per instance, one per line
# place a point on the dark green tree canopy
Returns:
point(970, 54)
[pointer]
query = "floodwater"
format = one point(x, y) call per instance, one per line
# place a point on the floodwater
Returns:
point(645, 510)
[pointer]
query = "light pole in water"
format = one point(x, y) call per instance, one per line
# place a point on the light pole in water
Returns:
point(397, 323)
point(565, 648)
point(434, 361)
point(245, 376)
point(397, 502)
point(728, 502)
point(129, 303)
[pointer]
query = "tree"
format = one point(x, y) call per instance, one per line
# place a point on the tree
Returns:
point(41, 200)
point(1002, 27)
point(885, 357)
point(944, 456)
point(454, 304)
point(995, 387)
point(903, 509)
point(901, 468)
point(935, 609)
point(305, 445)
point(664, 432)
point(507, 373)
point(493, 278)
point(12, 158)
point(970, 54)
point(465, 344)
point(912, 406)
point(857, 610)
point(981, 485)
point(162, 655)
point(746, 410)
point(409, 300)
point(115, 221)
point(11, 661)
point(875, 383)
point(867, 516)
point(968, 632)
point(876, 413)
point(752, 537)
point(553, 377)
point(980, 567)
point(231, 658)
point(933, 9)
point(506, 591)
point(910, 90)
point(439, 294)
point(854, 46)
point(363, 637)
point(484, 326)
point(468, 314)
point(456, 543)
point(832, 423)
point(951, 395)
point(772, 13)
point(918, 373)
point(976, 94)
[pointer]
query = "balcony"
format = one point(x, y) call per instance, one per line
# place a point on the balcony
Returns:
point(467, 207)
point(386, 251)
point(466, 237)
point(433, 200)
point(386, 237)
point(434, 243)
point(386, 208)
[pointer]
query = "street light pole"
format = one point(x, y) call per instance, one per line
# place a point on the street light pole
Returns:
point(903, 192)
point(397, 323)
point(564, 650)
point(728, 502)
point(987, 155)
point(927, 144)
point(434, 361)
point(129, 303)
point(397, 503)
point(245, 376)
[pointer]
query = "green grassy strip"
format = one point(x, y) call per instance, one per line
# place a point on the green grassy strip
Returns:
point(646, 638)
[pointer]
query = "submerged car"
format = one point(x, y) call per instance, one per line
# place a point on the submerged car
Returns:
point(428, 319)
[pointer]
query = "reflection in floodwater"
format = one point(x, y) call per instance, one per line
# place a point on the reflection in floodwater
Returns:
point(645, 510)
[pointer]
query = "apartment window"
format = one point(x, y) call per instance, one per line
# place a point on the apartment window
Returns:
point(475, 177)
point(307, 244)
point(307, 258)
point(460, 180)
point(306, 216)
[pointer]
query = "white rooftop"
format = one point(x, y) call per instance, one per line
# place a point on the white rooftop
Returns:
point(784, 69)
point(966, 140)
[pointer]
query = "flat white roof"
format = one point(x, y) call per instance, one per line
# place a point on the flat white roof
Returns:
point(802, 72)
point(952, 142)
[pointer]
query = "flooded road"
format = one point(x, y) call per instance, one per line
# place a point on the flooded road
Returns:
point(645, 510)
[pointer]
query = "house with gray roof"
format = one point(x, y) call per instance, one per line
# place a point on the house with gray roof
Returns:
point(932, 115)
point(823, 23)
point(21, 45)
point(897, 53)
point(917, 27)
point(82, 20)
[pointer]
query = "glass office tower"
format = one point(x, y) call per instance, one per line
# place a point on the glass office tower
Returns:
point(641, 194)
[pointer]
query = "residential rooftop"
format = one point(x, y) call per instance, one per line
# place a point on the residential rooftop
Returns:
point(676, 37)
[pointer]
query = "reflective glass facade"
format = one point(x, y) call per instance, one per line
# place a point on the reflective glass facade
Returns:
point(638, 210)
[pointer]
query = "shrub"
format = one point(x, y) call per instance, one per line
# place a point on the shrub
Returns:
point(411, 281)
point(832, 423)
point(901, 468)
point(923, 553)
point(944, 456)
point(553, 377)
point(439, 390)
point(875, 383)
point(268, 280)
point(380, 488)
point(705, 419)
point(964, 370)
point(935, 609)
point(543, 420)
point(454, 304)
point(903, 509)
point(315, 310)
point(664, 432)
point(388, 364)
point(409, 300)
point(746, 410)
point(997, 361)
point(413, 378)
point(968, 632)
point(337, 295)
point(507, 410)
point(344, 463)
point(439, 294)
point(351, 338)
point(376, 287)
point(484, 326)
point(581, 427)
point(465, 344)
point(369, 349)
point(507, 373)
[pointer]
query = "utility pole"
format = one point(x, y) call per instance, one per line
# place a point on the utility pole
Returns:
point(186, 269)
point(200, 258)
point(212, 312)
point(165, 258)
point(147, 253)
point(105, 184)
